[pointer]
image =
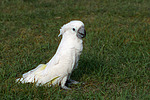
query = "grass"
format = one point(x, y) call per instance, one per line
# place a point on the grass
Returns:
point(115, 62)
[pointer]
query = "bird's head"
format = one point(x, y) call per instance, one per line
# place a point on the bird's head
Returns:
point(76, 27)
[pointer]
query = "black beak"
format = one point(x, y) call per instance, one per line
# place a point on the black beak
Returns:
point(81, 32)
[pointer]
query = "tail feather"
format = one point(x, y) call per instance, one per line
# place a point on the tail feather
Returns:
point(32, 76)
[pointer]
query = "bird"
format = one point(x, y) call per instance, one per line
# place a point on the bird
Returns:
point(58, 70)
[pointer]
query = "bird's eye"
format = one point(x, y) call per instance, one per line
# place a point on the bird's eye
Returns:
point(73, 29)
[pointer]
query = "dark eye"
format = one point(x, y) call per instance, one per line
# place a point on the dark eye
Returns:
point(73, 29)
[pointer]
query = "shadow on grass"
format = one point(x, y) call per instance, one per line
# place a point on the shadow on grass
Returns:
point(88, 66)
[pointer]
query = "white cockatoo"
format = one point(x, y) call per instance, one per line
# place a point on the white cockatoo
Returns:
point(60, 67)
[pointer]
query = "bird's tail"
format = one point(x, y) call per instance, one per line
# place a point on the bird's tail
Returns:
point(32, 76)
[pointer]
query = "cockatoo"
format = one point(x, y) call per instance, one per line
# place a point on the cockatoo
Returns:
point(65, 60)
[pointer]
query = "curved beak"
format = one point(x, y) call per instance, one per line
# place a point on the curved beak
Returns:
point(81, 33)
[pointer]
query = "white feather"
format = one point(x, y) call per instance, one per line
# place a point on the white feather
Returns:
point(58, 69)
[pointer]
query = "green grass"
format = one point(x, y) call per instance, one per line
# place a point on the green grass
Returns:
point(115, 62)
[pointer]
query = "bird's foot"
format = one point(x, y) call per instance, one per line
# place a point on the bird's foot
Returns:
point(66, 88)
point(70, 81)
point(73, 81)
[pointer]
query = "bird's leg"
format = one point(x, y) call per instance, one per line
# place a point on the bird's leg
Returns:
point(70, 81)
point(63, 83)
point(73, 81)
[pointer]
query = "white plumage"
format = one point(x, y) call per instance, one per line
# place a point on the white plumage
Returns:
point(60, 67)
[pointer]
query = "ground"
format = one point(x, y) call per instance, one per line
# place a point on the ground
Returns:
point(115, 62)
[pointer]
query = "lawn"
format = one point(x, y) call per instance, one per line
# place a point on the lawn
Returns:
point(115, 62)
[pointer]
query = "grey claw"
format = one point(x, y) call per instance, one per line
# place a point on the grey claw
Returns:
point(74, 82)
point(66, 88)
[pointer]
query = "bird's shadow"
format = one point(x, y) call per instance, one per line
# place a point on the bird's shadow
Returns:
point(87, 66)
